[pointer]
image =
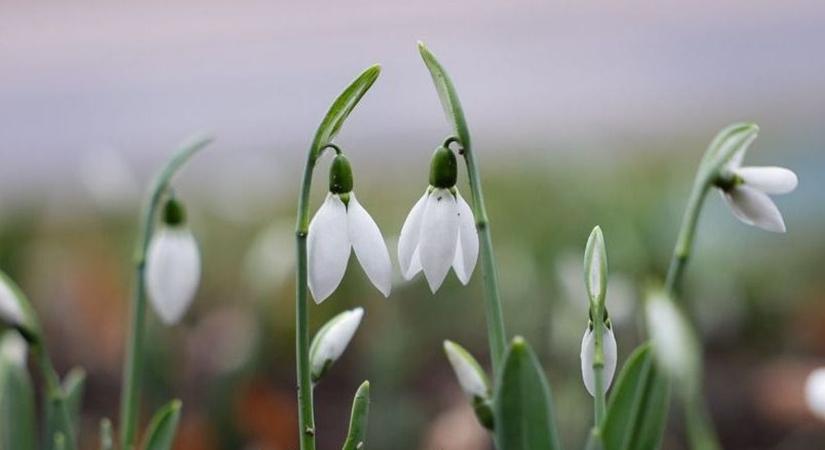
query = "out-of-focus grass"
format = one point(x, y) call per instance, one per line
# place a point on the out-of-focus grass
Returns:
point(755, 295)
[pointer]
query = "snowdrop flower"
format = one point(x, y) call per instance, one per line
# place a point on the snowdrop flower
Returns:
point(815, 392)
point(588, 353)
point(470, 376)
point(173, 266)
point(746, 190)
point(439, 232)
point(331, 341)
point(342, 224)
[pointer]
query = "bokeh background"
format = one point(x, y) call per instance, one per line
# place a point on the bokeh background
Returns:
point(582, 113)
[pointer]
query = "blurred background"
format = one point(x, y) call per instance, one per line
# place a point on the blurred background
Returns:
point(582, 113)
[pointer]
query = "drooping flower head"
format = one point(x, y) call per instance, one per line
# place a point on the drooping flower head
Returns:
point(746, 189)
point(340, 225)
point(173, 266)
point(439, 231)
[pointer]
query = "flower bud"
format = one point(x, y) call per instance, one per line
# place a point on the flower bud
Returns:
point(443, 168)
point(340, 175)
point(595, 269)
point(15, 310)
point(331, 341)
point(674, 345)
point(470, 375)
point(173, 266)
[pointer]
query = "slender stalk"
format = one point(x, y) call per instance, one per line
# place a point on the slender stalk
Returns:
point(55, 396)
point(687, 233)
point(133, 364)
point(700, 430)
point(306, 413)
point(599, 402)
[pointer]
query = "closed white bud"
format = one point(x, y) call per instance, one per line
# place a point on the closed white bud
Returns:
point(815, 392)
point(331, 341)
point(674, 344)
point(588, 356)
point(173, 270)
point(470, 375)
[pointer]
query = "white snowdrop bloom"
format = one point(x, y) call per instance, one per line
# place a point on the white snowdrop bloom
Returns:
point(439, 231)
point(815, 392)
point(748, 189)
point(10, 310)
point(588, 355)
point(471, 377)
point(674, 344)
point(173, 266)
point(340, 225)
point(331, 341)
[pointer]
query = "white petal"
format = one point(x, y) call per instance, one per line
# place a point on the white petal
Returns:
point(588, 353)
point(369, 246)
point(408, 240)
point(439, 235)
point(466, 253)
point(770, 180)
point(328, 248)
point(815, 392)
point(10, 310)
point(173, 270)
point(332, 339)
point(754, 207)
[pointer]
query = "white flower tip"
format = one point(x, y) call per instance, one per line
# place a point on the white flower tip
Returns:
point(815, 392)
point(470, 376)
point(13, 348)
point(674, 343)
point(172, 272)
point(11, 312)
point(595, 265)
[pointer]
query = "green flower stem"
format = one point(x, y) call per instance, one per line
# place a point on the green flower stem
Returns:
point(687, 233)
point(56, 396)
point(133, 364)
point(699, 427)
point(306, 417)
point(599, 402)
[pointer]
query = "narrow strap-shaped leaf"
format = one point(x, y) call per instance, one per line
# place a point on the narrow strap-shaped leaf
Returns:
point(523, 405)
point(342, 107)
point(17, 410)
point(357, 435)
point(107, 441)
point(447, 94)
point(74, 385)
point(160, 435)
point(638, 407)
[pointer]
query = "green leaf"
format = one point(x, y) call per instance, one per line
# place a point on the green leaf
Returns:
point(107, 442)
point(17, 410)
point(357, 435)
point(522, 407)
point(638, 408)
point(160, 435)
point(447, 94)
point(59, 441)
point(341, 109)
